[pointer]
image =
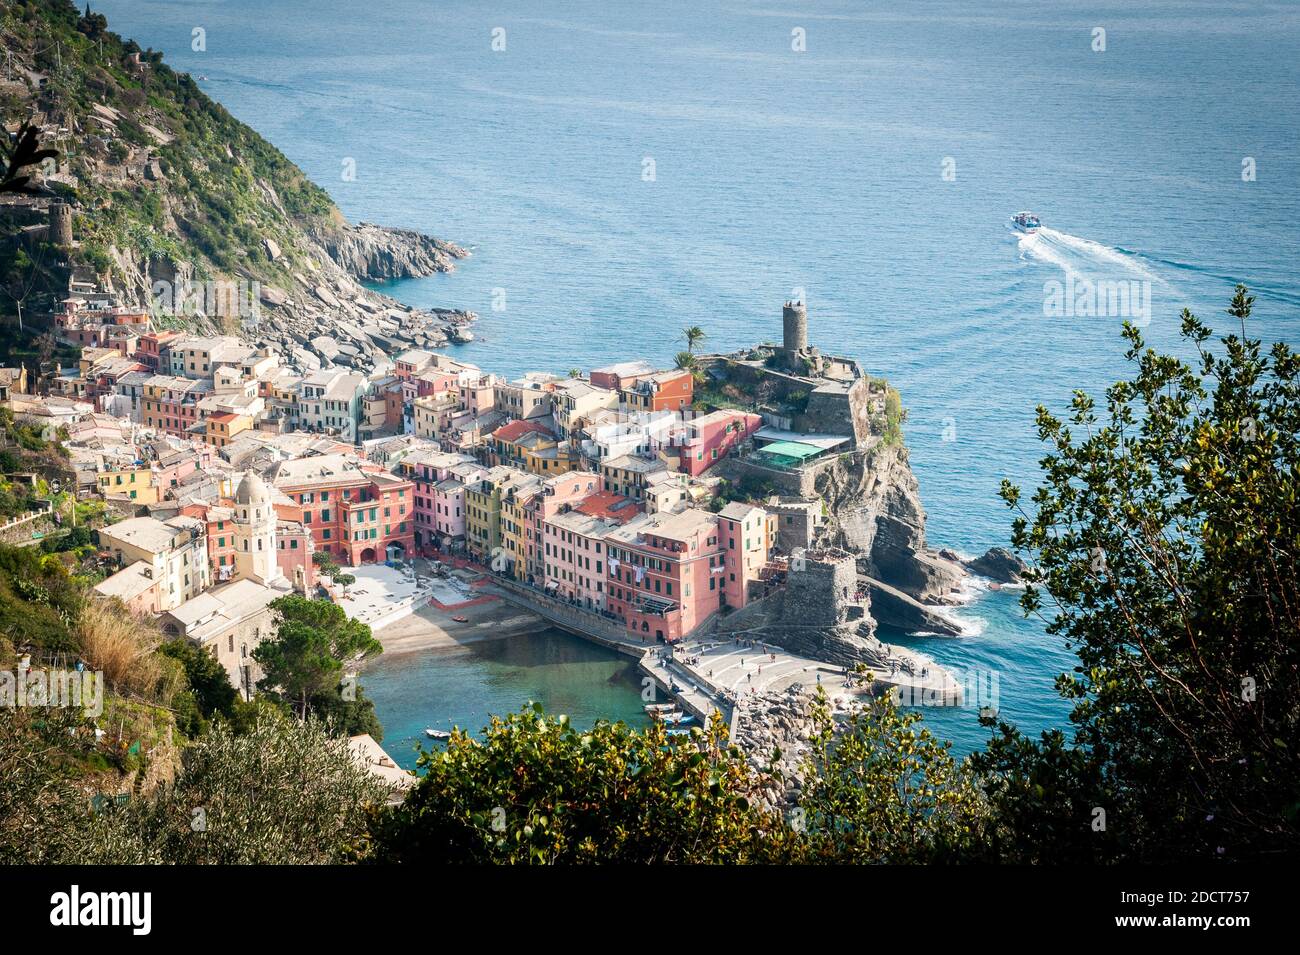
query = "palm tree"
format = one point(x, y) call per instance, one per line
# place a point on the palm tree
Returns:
point(693, 336)
point(575, 372)
point(688, 362)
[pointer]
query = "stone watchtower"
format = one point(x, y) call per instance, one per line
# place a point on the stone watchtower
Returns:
point(60, 232)
point(794, 327)
point(794, 322)
point(820, 589)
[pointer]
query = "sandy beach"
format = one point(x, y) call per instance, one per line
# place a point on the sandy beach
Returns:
point(432, 629)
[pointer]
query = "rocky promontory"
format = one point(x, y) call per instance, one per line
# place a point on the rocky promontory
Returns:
point(832, 463)
point(180, 208)
point(372, 253)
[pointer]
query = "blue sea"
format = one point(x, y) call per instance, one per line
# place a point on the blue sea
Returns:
point(622, 170)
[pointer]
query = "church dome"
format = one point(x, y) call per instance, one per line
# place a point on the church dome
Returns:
point(252, 491)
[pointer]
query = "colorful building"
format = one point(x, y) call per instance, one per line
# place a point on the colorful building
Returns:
point(137, 483)
point(663, 391)
point(171, 403)
point(747, 536)
point(710, 437)
point(222, 428)
point(356, 514)
point(666, 573)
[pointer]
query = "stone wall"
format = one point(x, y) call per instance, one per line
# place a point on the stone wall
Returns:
point(565, 615)
point(797, 523)
point(839, 408)
point(818, 589)
point(814, 615)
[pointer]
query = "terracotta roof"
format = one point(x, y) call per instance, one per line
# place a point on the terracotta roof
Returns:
point(609, 505)
point(516, 429)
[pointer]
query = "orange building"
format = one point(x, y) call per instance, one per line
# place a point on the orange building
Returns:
point(663, 391)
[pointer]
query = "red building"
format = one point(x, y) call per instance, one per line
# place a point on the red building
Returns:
point(623, 375)
point(150, 349)
point(358, 515)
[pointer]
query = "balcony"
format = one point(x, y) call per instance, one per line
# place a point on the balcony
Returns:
point(644, 603)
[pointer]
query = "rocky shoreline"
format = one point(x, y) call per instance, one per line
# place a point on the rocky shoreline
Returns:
point(320, 314)
point(362, 327)
point(373, 253)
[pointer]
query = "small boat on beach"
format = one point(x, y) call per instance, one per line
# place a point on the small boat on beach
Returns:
point(436, 734)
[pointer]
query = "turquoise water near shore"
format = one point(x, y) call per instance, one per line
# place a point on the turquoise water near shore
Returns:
point(463, 687)
point(821, 171)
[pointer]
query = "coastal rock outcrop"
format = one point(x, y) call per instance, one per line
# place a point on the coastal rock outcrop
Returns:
point(375, 253)
point(999, 564)
point(873, 504)
point(776, 724)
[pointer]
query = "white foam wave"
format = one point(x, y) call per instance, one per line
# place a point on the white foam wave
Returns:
point(1082, 257)
point(1098, 252)
point(967, 626)
point(1036, 246)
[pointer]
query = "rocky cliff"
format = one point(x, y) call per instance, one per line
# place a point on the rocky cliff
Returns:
point(873, 503)
point(374, 253)
point(180, 207)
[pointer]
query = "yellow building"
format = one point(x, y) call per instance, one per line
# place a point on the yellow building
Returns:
point(482, 517)
point(529, 446)
point(432, 413)
point(135, 483)
point(223, 428)
point(493, 535)
point(517, 524)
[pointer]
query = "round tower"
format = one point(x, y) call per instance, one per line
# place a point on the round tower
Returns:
point(61, 224)
point(255, 556)
point(794, 322)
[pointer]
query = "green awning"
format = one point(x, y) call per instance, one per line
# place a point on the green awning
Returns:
point(791, 449)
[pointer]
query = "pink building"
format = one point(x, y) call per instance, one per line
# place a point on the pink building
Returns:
point(439, 495)
point(171, 404)
point(710, 437)
point(666, 573)
point(747, 537)
point(478, 397)
point(670, 572)
point(411, 362)
point(558, 493)
point(294, 549)
point(574, 557)
point(574, 545)
point(173, 466)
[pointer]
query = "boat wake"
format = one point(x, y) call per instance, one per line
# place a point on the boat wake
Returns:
point(1075, 255)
